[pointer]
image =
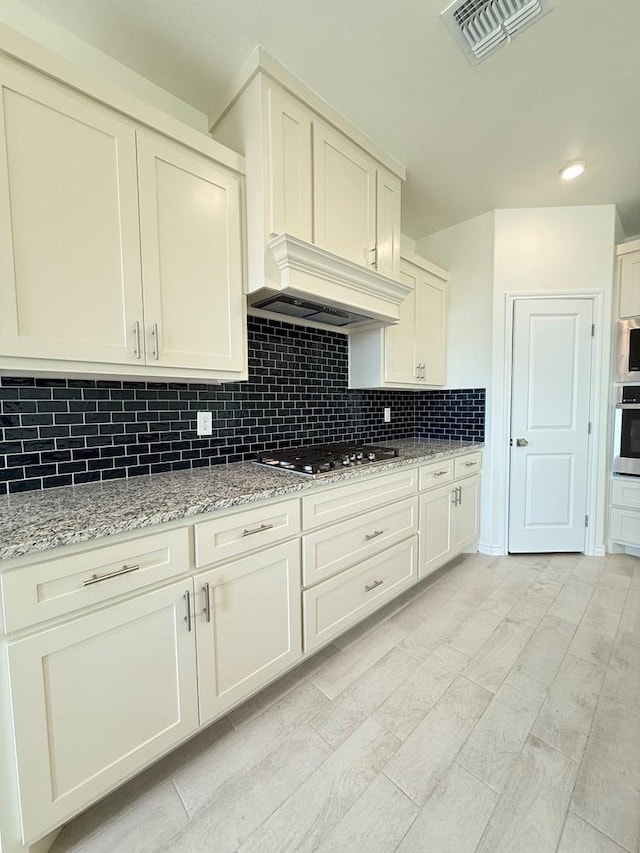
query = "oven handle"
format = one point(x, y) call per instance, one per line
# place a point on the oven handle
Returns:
point(627, 405)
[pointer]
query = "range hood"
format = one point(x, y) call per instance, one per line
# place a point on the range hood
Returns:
point(310, 286)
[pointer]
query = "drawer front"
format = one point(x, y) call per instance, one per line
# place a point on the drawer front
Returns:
point(55, 587)
point(625, 493)
point(336, 504)
point(341, 601)
point(463, 466)
point(436, 474)
point(243, 531)
point(330, 550)
point(624, 526)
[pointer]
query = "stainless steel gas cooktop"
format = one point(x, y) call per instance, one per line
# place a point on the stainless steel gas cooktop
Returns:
point(317, 460)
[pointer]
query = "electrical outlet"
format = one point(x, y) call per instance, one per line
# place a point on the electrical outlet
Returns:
point(204, 423)
point(387, 415)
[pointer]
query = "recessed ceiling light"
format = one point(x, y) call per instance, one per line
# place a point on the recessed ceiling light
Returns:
point(573, 170)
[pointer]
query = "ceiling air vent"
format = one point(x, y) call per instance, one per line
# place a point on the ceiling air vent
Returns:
point(482, 26)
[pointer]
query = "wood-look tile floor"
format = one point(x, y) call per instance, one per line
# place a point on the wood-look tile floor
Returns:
point(495, 709)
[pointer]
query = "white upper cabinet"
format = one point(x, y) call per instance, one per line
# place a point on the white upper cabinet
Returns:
point(70, 251)
point(121, 249)
point(388, 223)
point(289, 166)
point(411, 353)
point(344, 196)
point(312, 177)
point(629, 277)
point(191, 258)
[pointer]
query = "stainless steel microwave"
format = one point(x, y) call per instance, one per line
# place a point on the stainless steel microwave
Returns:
point(628, 350)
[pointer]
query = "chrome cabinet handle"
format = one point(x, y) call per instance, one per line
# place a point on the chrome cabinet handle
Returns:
point(457, 497)
point(439, 473)
point(260, 529)
point(370, 586)
point(125, 570)
point(470, 464)
point(373, 535)
point(156, 341)
point(136, 337)
point(187, 601)
point(459, 490)
point(207, 602)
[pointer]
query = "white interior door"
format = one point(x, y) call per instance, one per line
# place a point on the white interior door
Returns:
point(550, 403)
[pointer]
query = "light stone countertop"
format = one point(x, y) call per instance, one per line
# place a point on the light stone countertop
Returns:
point(39, 521)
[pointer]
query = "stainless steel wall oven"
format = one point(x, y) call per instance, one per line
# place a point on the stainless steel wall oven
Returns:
point(626, 433)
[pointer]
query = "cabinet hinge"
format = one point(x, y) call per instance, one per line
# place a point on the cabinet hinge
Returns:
point(593, 330)
point(586, 521)
point(589, 427)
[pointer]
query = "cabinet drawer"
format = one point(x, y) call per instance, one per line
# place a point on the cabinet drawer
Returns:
point(436, 474)
point(243, 531)
point(341, 601)
point(55, 587)
point(624, 526)
point(463, 466)
point(330, 550)
point(336, 504)
point(625, 493)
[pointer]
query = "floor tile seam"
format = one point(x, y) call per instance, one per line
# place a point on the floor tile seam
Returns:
point(471, 772)
point(181, 798)
point(307, 678)
point(526, 738)
point(601, 831)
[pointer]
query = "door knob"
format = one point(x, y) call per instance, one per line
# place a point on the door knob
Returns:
point(521, 442)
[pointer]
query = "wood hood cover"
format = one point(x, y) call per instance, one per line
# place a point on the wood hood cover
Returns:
point(311, 286)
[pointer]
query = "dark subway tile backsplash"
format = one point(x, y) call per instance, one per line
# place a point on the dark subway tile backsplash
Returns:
point(56, 432)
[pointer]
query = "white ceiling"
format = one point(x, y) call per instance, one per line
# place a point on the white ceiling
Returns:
point(472, 138)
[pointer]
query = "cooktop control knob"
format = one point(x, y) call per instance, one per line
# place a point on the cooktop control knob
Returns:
point(371, 457)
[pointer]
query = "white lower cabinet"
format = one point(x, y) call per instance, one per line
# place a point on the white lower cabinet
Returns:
point(449, 522)
point(98, 677)
point(248, 625)
point(624, 515)
point(95, 699)
point(338, 603)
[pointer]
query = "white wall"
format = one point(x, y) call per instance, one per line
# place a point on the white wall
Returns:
point(536, 250)
point(466, 251)
point(551, 250)
point(28, 22)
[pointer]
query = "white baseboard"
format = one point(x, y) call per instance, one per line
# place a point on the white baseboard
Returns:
point(491, 550)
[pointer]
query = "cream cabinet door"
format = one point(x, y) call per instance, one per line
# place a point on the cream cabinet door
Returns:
point(388, 223)
point(248, 625)
point(629, 284)
point(401, 363)
point(289, 166)
point(95, 699)
point(467, 514)
point(344, 196)
point(430, 328)
point(191, 258)
point(69, 239)
point(436, 528)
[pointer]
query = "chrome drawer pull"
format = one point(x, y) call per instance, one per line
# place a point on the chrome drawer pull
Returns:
point(470, 464)
point(373, 535)
point(207, 602)
point(187, 601)
point(369, 587)
point(257, 530)
point(123, 571)
point(439, 473)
